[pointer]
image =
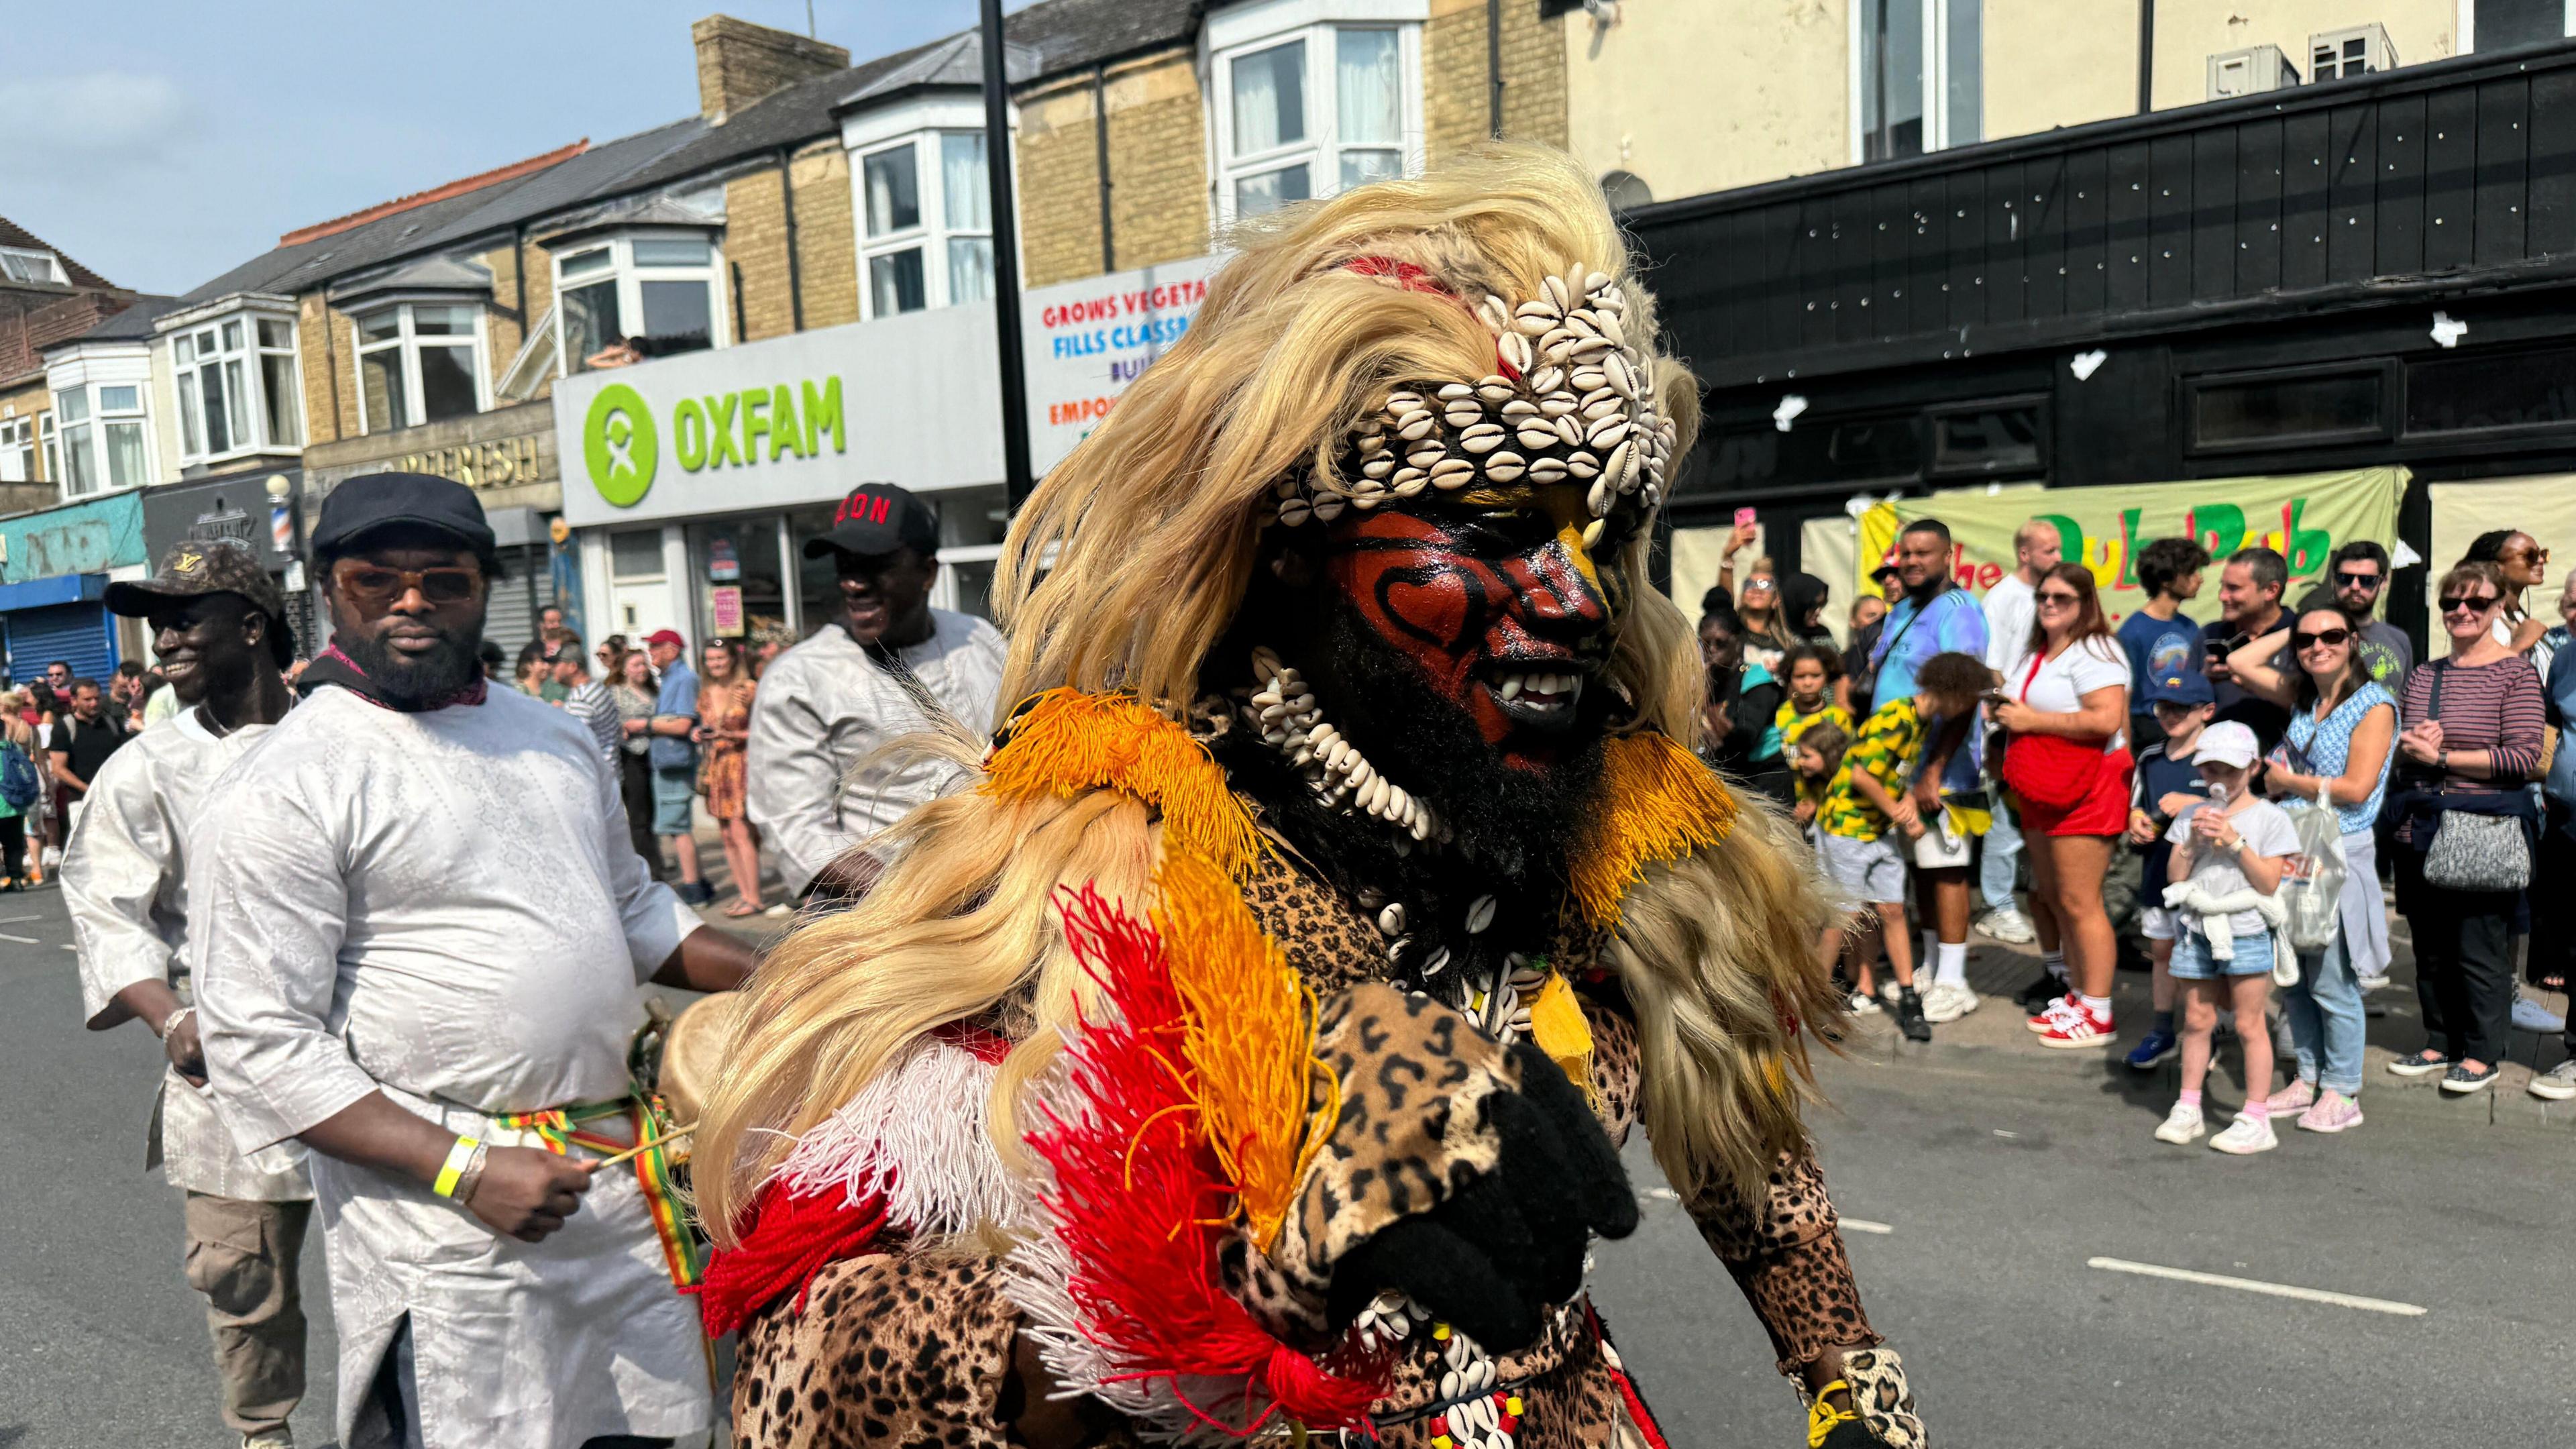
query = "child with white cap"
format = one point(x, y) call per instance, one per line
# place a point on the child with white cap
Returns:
point(2234, 844)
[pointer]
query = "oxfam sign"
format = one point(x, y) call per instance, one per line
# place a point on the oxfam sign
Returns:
point(623, 439)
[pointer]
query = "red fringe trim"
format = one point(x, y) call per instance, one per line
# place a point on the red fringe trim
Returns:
point(790, 1240)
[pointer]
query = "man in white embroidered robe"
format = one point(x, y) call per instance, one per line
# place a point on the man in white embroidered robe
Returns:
point(417, 914)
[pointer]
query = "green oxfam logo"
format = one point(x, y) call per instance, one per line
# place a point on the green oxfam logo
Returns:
point(619, 443)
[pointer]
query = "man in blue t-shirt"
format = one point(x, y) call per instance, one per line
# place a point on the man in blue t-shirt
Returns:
point(674, 758)
point(1936, 617)
point(2162, 641)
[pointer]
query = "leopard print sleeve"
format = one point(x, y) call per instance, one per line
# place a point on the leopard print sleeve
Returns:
point(905, 1348)
point(1785, 1250)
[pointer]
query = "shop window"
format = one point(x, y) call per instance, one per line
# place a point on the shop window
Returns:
point(653, 291)
point(925, 207)
point(238, 387)
point(1918, 67)
point(1988, 440)
point(419, 362)
point(1311, 112)
point(102, 438)
point(2292, 407)
point(2492, 391)
point(18, 450)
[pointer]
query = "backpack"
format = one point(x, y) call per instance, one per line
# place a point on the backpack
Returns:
point(18, 783)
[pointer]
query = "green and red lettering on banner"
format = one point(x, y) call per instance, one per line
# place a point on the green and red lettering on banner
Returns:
point(2304, 518)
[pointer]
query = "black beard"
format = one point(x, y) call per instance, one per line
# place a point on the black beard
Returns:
point(418, 679)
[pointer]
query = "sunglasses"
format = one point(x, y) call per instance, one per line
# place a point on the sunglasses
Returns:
point(2358, 581)
point(368, 584)
point(2060, 597)
point(2535, 555)
point(2478, 604)
point(2331, 638)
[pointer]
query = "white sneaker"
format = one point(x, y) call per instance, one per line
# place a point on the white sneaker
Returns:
point(780, 911)
point(1861, 1005)
point(2558, 1084)
point(2182, 1124)
point(2009, 925)
point(1949, 1003)
point(51, 858)
point(2246, 1136)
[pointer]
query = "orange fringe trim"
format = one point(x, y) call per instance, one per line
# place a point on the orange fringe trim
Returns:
point(1656, 802)
point(1066, 742)
point(1250, 1021)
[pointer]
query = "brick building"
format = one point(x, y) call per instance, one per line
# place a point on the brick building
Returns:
point(45, 298)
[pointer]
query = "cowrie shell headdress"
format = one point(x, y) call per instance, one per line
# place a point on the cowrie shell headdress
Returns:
point(1570, 398)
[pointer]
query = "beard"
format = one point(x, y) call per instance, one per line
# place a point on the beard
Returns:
point(418, 679)
point(1517, 819)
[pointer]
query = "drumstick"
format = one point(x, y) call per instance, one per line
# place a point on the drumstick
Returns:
point(646, 1145)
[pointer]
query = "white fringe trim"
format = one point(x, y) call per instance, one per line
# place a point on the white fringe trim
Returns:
point(917, 1136)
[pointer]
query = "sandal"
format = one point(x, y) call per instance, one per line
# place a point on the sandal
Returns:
point(741, 908)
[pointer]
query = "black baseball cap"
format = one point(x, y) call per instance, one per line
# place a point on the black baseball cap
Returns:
point(878, 518)
point(195, 567)
point(379, 500)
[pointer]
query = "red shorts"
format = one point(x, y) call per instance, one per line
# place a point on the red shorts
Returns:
point(2104, 810)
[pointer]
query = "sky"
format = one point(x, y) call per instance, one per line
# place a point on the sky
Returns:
point(181, 140)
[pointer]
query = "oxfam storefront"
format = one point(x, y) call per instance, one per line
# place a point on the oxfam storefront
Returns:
point(694, 481)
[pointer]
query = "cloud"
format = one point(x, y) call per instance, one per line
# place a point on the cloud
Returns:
point(80, 123)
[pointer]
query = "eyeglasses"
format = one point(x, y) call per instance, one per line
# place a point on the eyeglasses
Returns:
point(368, 584)
point(2478, 604)
point(2350, 580)
point(2063, 598)
point(2535, 555)
point(2330, 638)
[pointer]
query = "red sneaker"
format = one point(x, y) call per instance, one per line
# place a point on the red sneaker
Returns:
point(2077, 1026)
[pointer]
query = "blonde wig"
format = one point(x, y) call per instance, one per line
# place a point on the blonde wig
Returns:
point(1122, 572)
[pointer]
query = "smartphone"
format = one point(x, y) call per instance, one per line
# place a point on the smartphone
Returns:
point(1744, 518)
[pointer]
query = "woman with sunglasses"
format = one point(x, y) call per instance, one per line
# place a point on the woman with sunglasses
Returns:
point(1766, 635)
point(2067, 764)
point(2343, 726)
point(2525, 567)
point(2471, 740)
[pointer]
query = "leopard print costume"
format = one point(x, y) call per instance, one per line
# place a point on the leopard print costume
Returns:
point(911, 1348)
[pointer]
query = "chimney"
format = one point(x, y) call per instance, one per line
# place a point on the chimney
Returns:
point(739, 63)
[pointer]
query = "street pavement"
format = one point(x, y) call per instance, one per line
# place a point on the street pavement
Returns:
point(1979, 1177)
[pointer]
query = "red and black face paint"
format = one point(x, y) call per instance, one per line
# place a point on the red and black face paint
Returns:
point(1493, 600)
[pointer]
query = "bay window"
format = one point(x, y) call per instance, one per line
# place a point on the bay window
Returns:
point(418, 362)
point(655, 290)
point(1312, 112)
point(100, 437)
point(926, 226)
point(238, 387)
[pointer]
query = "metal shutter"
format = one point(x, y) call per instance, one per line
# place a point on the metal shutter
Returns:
point(510, 614)
point(79, 633)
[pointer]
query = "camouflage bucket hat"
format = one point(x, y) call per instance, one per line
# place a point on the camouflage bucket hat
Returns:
point(194, 567)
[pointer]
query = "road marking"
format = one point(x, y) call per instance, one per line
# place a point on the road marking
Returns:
point(18, 920)
point(1864, 1225)
point(21, 940)
point(2256, 1285)
point(68, 946)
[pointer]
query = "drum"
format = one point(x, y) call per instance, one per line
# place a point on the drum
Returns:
point(692, 1052)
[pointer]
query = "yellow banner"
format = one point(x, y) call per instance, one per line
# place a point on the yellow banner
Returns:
point(2304, 518)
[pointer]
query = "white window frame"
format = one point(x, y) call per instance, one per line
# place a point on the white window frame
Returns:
point(95, 422)
point(18, 448)
point(922, 126)
point(14, 260)
point(189, 394)
point(53, 447)
point(408, 342)
point(1251, 29)
point(1937, 121)
point(631, 278)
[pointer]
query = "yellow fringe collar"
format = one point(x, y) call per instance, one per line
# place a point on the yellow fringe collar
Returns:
point(1657, 802)
point(1065, 742)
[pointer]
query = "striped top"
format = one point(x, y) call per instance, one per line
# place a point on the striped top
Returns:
point(2489, 707)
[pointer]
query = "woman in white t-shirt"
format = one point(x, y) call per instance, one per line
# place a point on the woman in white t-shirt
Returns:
point(2068, 770)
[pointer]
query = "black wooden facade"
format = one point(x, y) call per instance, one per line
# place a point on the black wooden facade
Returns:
point(2262, 275)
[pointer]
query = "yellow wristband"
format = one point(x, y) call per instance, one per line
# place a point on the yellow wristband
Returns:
point(457, 1158)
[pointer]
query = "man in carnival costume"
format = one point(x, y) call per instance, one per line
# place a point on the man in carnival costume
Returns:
point(1234, 1056)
